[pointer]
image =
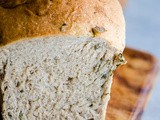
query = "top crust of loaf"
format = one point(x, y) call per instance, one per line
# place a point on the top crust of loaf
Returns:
point(93, 18)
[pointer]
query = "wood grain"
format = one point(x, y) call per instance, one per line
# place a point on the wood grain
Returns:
point(132, 86)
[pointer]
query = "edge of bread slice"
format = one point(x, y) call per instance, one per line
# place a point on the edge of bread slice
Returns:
point(57, 78)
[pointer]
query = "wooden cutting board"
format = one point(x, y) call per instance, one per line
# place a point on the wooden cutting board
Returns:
point(132, 86)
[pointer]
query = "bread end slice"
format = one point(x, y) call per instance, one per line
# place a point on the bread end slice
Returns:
point(57, 78)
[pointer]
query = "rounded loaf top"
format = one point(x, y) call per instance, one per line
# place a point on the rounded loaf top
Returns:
point(32, 18)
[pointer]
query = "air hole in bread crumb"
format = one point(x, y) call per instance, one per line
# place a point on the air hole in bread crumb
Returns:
point(97, 46)
point(29, 102)
point(21, 91)
point(104, 76)
point(18, 84)
point(31, 72)
point(94, 68)
point(5, 88)
point(9, 114)
point(70, 79)
point(91, 105)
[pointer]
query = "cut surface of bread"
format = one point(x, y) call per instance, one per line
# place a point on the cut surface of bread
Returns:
point(57, 78)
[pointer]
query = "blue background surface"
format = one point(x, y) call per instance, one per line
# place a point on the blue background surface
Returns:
point(143, 33)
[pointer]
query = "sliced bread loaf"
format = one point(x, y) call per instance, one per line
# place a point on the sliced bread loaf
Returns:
point(57, 58)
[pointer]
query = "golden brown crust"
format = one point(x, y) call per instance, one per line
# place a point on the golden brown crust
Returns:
point(123, 3)
point(30, 18)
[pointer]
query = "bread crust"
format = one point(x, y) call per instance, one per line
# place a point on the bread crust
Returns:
point(93, 18)
point(123, 3)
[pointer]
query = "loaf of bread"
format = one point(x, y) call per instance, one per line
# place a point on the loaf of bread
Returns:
point(57, 57)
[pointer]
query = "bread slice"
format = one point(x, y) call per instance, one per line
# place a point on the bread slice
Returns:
point(57, 78)
point(57, 64)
